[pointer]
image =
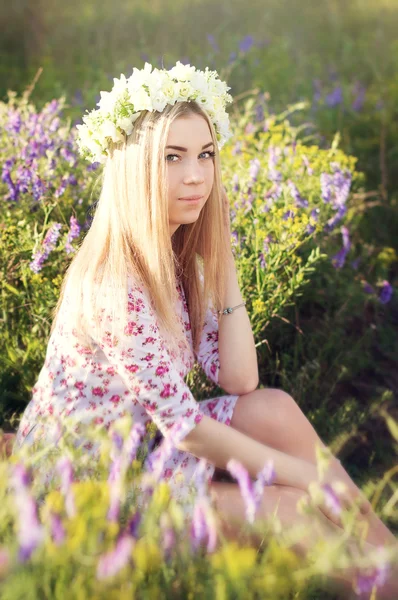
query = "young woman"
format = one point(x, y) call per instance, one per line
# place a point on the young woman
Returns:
point(146, 296)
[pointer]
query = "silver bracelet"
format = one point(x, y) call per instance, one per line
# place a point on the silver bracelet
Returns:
point(229, 310)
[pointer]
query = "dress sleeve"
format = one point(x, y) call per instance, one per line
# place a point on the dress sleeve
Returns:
point(207, 355)
point(140, 356)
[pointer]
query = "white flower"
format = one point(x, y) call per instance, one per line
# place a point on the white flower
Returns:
point(181, 72)
point(148, 90)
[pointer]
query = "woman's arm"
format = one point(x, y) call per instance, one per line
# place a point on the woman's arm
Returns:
point(237, 352)
point(218, 443)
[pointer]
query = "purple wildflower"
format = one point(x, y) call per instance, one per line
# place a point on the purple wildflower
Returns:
point(301, 202)
point(246, 43)
point(335, 97)
point(263, 264)
point(376, 576)
point(30, 531)
point(65, 469)
point(367, 288)
point(305, 160)
point(48, 245)
point(326, 187)
point(254, 169)
point(203, 525)
point(133, 441)
point(237, 149)
point(113, 561)
point(331, 499)
point(58, 533)
point(339, 259)
point(317, 86)
point(133, 524)
point(168, 535)
point(289, 214)
point(235, 181)
point(115, 487)
point(39, 188)
point(385, 293)
point(360, 93)
point(273, 174)
point(73, 233)
point(238, 471)
point(332, 222)
point(212, 41)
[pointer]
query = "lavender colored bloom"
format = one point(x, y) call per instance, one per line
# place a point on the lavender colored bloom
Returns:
point(317, 86)
point(93, 166)
point(301, 202)
point(14, 122)
point(246, 43)
point(326, 187)
point(48, 245)
point(367, 288)
point(235, 181)
point(39, 188)
point(338, 259)
point(335, 97)
point(254, 169)
point(113, 561)
point(168, 535)
point(273, 157)
point(133, 441)
point(6, 178)
point(305, 160)
point(265, 477)
point(289, 214)
point(115, 488)
point(65, 469)
point(346, 238)
point(360, 93)
point(232, 57)
point(385, 293)
point(376, 576)
point(263, 263)
point(74, 232)
point(260, 112)
point(58, 533)
point(212, 41)
point(235, 238)
point(30, 531)
point(237, 149)
point(250, 128)
point(332, 222)
point(203, 525)
point(133, 524)
point(238, 471)
point(331, 499)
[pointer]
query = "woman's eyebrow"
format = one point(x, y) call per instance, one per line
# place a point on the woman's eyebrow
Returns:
point(185, 149)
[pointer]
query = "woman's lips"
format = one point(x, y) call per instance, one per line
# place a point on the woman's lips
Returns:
point(191, 199)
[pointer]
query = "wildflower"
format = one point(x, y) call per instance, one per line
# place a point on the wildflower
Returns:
point(360, 92)
point(212, 41)
point(235, 181)
point(301, 202)
point(367, 288)
point(376, 576)
point(112, 562)
point(57, 529)
point(254, 169)
point(262, 261)
point(331, 499)
point(237, 149)
point(30, 531)
point(335, 97)
point(246, 43)
point(273, 174)
point(385, 293)
point(339, 259)
point(168, 535)
point(73, 233)
point(203, 525)
point(238, 471)
point(65, 469)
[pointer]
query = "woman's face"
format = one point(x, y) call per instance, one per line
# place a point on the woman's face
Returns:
point(190, 169)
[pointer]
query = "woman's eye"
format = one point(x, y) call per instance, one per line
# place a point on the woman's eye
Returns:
point(211, 155)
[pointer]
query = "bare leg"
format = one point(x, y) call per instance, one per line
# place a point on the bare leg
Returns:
point(273, 417)
point(282, 500)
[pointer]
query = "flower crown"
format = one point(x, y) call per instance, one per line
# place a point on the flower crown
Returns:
point(151, 90)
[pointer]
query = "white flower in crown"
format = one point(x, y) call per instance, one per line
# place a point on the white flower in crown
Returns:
point(151, 89)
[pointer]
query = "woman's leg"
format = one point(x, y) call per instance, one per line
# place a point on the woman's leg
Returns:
point(282, 501)
point(273, 417)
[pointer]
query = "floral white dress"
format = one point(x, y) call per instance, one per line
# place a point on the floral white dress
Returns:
point(137, 375)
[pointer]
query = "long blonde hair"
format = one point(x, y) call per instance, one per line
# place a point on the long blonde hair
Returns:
point(130, 235)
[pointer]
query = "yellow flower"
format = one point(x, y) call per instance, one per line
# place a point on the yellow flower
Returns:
point(146, 555)
point(236, 562)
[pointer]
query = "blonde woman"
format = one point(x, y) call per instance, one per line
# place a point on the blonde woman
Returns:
point(144, 296)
